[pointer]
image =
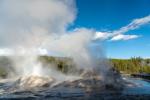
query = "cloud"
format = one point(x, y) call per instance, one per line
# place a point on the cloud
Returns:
point(102, 35)
point(119, 34)
point(123, 37)
point(136, 23)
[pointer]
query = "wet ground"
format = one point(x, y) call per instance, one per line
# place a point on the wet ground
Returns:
point(134, 89)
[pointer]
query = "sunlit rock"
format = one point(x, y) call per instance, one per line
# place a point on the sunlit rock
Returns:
point(35, 81)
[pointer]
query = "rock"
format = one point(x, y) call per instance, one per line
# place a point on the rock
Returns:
point(35, 81)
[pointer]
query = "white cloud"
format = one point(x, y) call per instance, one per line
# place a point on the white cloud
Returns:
point(123, 37)
point(119, 34)
point(102, 35)
point(136, 23)
point(113, 36)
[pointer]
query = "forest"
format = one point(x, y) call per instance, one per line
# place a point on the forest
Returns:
point(131, 66)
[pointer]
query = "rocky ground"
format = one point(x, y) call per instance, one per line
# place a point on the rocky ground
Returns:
point(84, 88)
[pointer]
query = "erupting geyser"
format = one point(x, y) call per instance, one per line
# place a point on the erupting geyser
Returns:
point(38, 27)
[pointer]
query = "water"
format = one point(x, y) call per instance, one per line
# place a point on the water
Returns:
point(137, 86)
point(87, 89)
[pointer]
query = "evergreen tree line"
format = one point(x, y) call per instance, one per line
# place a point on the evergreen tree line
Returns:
point(131, 66)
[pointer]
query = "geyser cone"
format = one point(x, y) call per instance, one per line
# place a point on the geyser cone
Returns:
point(35, 81)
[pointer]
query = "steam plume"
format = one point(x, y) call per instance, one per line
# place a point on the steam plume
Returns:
point(30, 28)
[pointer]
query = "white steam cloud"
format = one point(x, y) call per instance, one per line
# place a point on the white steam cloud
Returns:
point(30, 28)
point(27, 20)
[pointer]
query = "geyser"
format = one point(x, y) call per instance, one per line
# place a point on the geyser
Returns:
point(29, 28)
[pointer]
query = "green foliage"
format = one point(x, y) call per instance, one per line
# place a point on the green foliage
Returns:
point(3, 72)
point(63, 64)
point(133, 65)
point(5, 66)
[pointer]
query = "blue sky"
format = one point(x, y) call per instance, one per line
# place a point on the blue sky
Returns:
point(111, 15)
